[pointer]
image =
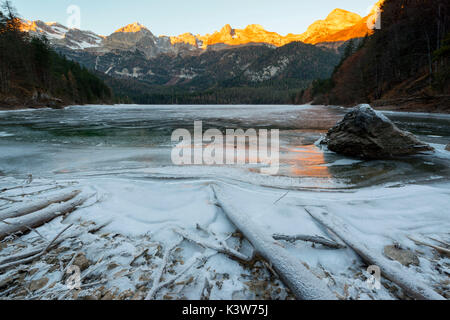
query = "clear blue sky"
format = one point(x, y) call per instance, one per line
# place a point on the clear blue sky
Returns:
point(173, 17)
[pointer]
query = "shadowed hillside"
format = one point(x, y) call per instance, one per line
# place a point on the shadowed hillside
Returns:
point(34, 75)
point(404, 65)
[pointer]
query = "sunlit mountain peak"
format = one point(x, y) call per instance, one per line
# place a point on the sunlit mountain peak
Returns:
point(132, 28)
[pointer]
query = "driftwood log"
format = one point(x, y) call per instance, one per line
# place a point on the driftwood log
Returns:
point(441, 250)
point(413, 287)
point(38, 218)
point(303, 284)
point(26, 208)
point(219, 247)
point(314, 239)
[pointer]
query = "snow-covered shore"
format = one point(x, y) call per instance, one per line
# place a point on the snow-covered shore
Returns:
point(140, 218)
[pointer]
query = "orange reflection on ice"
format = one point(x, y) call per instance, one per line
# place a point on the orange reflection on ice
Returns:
point(306, 161)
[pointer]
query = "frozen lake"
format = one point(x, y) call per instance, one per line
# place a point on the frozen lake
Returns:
point(79, 141)
point(122, 155)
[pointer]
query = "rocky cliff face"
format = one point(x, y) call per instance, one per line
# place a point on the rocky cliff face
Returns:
point(340, 25)
point(133, 51)
point(239, 66)
point(337, 21)
point(60, 35)
point(137, 37)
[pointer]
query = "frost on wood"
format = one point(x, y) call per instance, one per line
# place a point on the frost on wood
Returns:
point(26, 208)
point(12, 263)
point(300, 280)
point(314, 239)
point(401, 277)
point(38, 218)
point(125, 258)
point(219, 247)
point(441, 250)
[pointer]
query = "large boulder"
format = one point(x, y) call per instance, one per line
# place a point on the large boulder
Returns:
point(368, 134)
point(447, 147)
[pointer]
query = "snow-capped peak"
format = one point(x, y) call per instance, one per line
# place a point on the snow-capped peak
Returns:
point(60, 35)
point(132, 28)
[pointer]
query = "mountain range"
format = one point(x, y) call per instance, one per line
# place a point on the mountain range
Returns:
point(227, 58)
point(339, 25)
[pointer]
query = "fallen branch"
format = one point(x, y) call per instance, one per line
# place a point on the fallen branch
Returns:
point(437, 248)
point(64, 270)
point(441, 242)
point(26, 186)
point(25, 194)
point(38, 218)
point(159, 285)
point(335, 238)
point(206, 291)
point(159, 272)
point(29, 259)
point(33, 252)
point(10, 200)
point(412, 286)
point(284, 195)
point(138, 256)
point(314, 239)
point(220, 247)
point(303, 284)
point(27, 208)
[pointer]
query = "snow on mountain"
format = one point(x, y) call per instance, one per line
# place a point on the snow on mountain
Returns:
point(60, 35)
point(339, 25)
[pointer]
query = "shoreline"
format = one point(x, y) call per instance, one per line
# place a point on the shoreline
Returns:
point(120, 256)
point(400, 109)
point(411, 110)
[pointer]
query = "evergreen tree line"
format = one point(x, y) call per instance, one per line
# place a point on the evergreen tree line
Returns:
point(408, 56)
point(33, 74)
point(136, 91)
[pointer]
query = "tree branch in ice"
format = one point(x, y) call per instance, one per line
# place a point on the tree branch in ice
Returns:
point(31, 255)
point(197, 257)
point(314, 239)
point(25, 260)
point(10, 200)
point(400, 276)
point(26, 186)
point(19, 211)
point(303, 284)
point(441, 242)
point(206, 291)
point(138, 256)
point(437, 248)
point(284, 195)
point(221, 247)
point(40, 217)
point(160, 271)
